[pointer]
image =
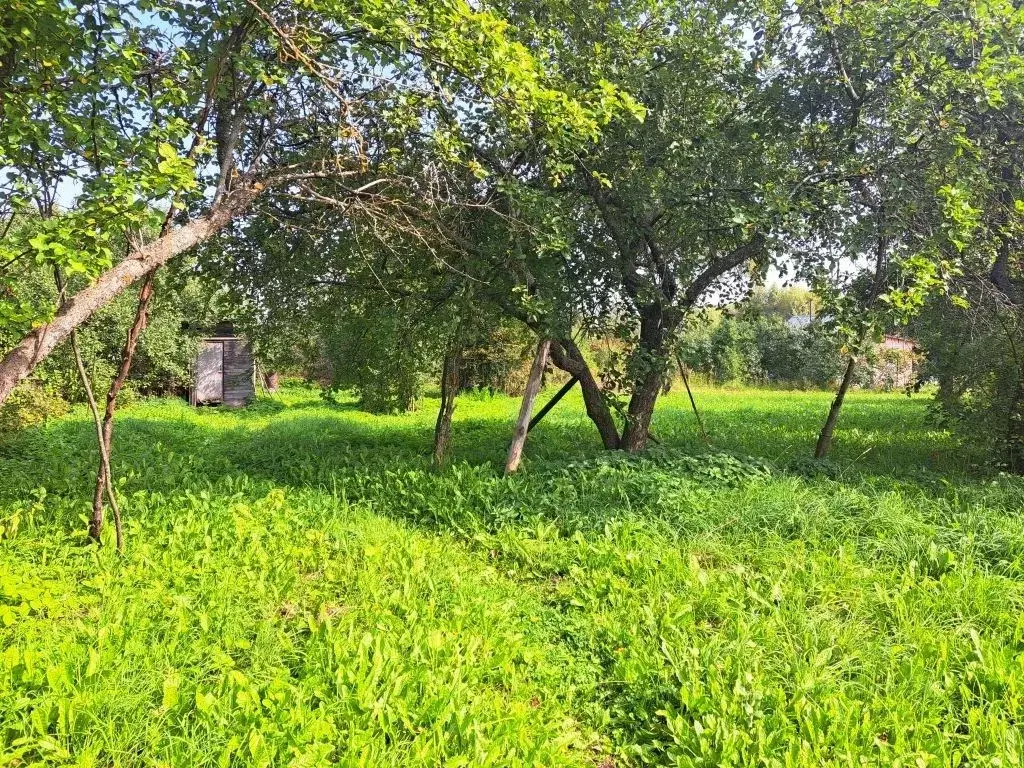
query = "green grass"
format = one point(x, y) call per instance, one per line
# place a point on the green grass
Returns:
point(301, 589)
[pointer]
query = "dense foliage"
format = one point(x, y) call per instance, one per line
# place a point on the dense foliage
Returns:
point(764, 350)
point(204, 109)
point(772, 338)
point(974, 352)
point(388, 358)
point(387, 194)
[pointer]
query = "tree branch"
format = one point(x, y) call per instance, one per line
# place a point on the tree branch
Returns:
point(749, 250)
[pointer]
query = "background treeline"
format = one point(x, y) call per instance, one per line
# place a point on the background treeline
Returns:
point(390, 362)
point(764, 350)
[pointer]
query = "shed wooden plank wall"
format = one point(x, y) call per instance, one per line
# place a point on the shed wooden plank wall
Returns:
point(239, 372)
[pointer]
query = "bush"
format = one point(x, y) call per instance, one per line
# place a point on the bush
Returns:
point(382, 358)
point(735, 356)
point(974, 354)
point(821, 362)
point(892, 369)
point(164, 356)
point(29, 404)
point(764, 349)
point(498, 359)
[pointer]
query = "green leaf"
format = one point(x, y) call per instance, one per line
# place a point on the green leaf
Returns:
point(205, 702)
point(172, 684)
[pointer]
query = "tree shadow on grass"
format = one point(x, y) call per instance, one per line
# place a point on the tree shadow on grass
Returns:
point(269, 406)
point(318, 443)
point(567, 482)
point(874, 437)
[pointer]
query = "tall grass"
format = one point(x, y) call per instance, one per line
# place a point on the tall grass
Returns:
point(300, 588)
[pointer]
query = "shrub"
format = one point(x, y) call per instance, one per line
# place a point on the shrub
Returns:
point(892, 369)
point(734, 353)
point(29, 404)
point(381, 358)
point(974, 352)
point(764, 349)
point(498, 359)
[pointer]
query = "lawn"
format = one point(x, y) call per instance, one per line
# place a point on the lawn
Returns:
point(300, 588)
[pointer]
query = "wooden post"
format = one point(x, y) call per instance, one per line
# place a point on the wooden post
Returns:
point(515, 451)
point(693, 403)
point(552, 403)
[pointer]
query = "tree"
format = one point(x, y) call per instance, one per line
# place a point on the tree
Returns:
point(658, 217)
point(973, 339)
point(227, 102)
point(205, 109)
point(897, 87)
point(782, 302)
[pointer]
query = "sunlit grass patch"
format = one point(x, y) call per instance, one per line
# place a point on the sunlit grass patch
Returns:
point(300, 587)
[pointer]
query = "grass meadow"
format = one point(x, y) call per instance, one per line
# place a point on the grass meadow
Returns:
point(301, 589)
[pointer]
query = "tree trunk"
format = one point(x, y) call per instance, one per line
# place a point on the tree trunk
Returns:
point(515, 451)
point(641, 411)
point(567, 356)
point(825, 438)
point(105, 479)
point(449, 390)
point(106, 482)
point(127, 356)
point(37, 345)
point(653, 332)
point(96, 520)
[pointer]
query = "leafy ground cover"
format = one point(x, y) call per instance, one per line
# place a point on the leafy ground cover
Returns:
point(301, 589)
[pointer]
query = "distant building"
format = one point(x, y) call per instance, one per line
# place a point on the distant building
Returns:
point(894, 341)
point(225, 369)
point(896, 360)
point(800, 322)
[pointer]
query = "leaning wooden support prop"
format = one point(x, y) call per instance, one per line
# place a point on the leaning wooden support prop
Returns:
point(566, 388)
point(515, 451)
point(693, 403)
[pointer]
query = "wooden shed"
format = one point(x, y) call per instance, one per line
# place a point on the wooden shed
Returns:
point(225, 369)
point(897, 363)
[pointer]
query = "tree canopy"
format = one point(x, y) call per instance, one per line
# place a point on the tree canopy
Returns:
point(199, 110)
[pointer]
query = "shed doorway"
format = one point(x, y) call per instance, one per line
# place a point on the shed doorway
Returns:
point(210, 372)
